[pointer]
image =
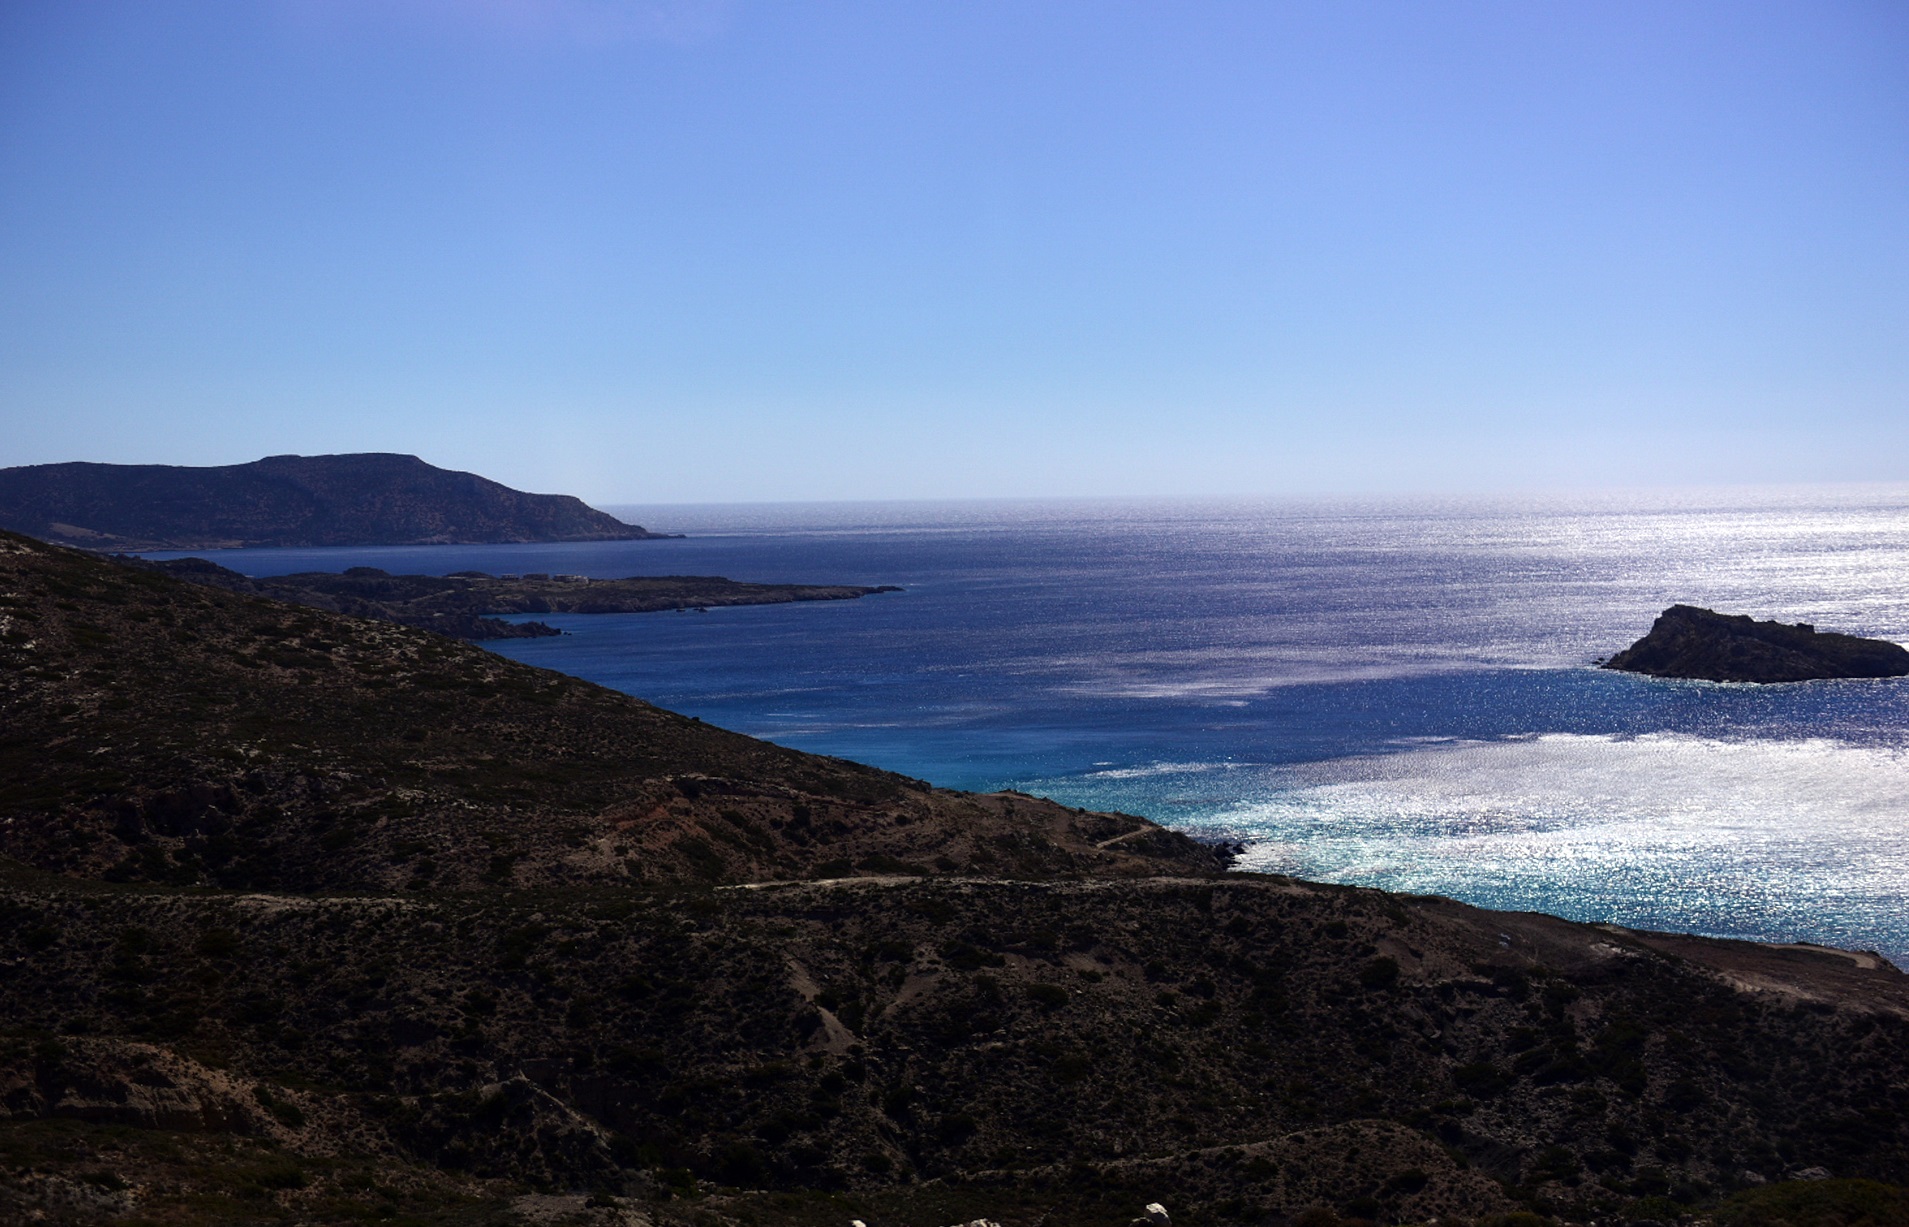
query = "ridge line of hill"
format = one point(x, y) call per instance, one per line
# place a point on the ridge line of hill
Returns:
point(357, 499)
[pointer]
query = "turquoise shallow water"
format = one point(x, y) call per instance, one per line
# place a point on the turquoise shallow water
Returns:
point(1388, 693)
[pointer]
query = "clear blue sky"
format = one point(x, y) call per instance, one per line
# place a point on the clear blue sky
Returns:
point(718, 251)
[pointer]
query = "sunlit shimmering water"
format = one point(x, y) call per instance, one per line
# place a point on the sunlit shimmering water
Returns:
point(1663, 831)
point(1386, 693)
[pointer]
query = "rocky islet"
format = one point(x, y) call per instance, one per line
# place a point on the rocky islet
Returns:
point(1694, 643)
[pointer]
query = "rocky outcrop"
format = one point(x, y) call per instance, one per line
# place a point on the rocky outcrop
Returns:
point(1688, 642)
point(120, 1082)
point(372, 498)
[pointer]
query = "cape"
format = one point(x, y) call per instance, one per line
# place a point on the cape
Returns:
point(370, 498)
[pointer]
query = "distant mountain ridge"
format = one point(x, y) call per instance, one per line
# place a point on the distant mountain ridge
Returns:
point(366, 498)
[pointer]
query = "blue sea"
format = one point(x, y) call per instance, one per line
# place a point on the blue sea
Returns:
point(1391, 693)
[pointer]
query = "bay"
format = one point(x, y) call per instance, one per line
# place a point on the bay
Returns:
point(1395, 693)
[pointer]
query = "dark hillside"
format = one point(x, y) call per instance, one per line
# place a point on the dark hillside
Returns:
point(1241, 1048)
point(371, 498)
point(156, 730)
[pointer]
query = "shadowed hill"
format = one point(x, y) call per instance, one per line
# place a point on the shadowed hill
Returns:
point(372, 498)
point(930, 1050)
point(162, 731)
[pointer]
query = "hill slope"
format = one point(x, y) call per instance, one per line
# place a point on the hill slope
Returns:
point(314, 919)
point(924, 1050)
point(370, 498)
point(155, 730)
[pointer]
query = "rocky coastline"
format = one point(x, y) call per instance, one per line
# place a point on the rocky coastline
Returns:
point(313, 919)
point(470, 604)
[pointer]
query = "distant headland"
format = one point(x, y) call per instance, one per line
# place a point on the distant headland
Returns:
point(463, 605)
point(367, 498)
point(1689, 642)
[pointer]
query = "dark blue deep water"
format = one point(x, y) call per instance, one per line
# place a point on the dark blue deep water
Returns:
point(1396, 694)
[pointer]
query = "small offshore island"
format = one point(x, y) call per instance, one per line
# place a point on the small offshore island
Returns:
point(1701, 644)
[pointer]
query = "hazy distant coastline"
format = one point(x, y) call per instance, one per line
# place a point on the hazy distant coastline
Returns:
point(370, 498)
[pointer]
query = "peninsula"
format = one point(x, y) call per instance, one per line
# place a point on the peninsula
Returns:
point(1689, 642)
point(309, 918)
point(465, 605)
point(370, 498)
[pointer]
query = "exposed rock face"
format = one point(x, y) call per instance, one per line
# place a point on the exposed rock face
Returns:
point(123, 1082)
point(1688, 642)
point(372, 498)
